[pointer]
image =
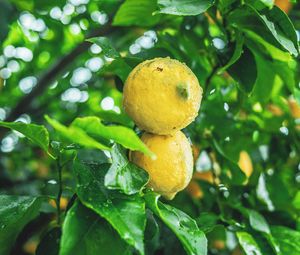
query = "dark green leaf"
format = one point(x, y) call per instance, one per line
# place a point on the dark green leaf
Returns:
point(85, 233)
point(6, 13)
point(184, 227)
point(244, 71)
point(76, 135)
point(184, 7)
point(138, 13)
point(124, 175)
point(15, 213)
point(207, 221)
point(49, 245)
point(36, 133)
point(125, 213)
point(122, 135)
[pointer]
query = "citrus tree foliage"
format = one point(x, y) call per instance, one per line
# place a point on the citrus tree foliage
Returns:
point(66, 183)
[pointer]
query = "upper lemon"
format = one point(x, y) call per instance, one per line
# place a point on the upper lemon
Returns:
point(162, 95)
point(172, 169)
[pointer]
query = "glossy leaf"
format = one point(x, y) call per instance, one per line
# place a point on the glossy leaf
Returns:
point(125, 213)
point(248, 244)
point(184, 7)
point(244, 71)
point(15, 213)
point(122, 135)
point(258, 222)
point(124, 175)
point(184, 227)
point(288, 239)
point(36, 133)
point(139, 13)
point(76, 135)
point(85, 233)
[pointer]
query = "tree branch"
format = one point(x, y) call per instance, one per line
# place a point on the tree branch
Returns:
point(50, 75)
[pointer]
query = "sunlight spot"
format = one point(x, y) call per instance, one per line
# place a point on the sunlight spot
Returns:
point(99, 17)
point(117, 109)
point(81, 75)
point(80, 9)
point(218, 43)
point(13, 65)
point(56, 13)
point(26, 84)
point(72, 95)
point(68, 9)
point(203, 162)
point(9, 51)
point(134, 48)
point(264, 152)
point(2, 61)
point(24, 53)
point(5, 73)
point(284, 130)
point(79, 2)
point(107, 103)
point(25, 118)
point(94, 64)
point(226, 107)
point(75, 29)
point(95, 49)
point(2, 114)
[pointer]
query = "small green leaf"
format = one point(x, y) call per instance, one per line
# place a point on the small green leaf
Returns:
point(76, 135)
point(125, 213)
point(122, 135)
point(36, 133)
point(15, 213)
point(207, 221)
point(85, 233)
point(248, 243)
point(124, 175)
point(184, 227)
point(258, 222)
point(184, 7)
point(138, 13)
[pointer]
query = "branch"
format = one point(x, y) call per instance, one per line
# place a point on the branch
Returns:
point(50, 75)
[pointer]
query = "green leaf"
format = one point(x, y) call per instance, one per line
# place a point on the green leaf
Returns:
point(122, 135)
point(85, 233)
point(106, 46)
point(139, 13)
point(184, 7)
point(36, 133)
point(248, 243)
point(49, 245)
point(118, 66)
point(296, 200)
point(288, 239)
point(124, 175)
point(207, 221)
point(258, 222)
point(15, 213)
point(76, 135)
point(184, 227)
point(244, 71)
point(238, 176)
point(125, 213)
point(272, 25)
point(238, 51)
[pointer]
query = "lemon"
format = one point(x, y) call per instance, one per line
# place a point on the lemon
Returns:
point(172, 169)
point(162, 96)
point(245, 163)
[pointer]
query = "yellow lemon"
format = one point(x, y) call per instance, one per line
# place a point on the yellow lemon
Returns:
point(172, 169)
point(162, 96)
